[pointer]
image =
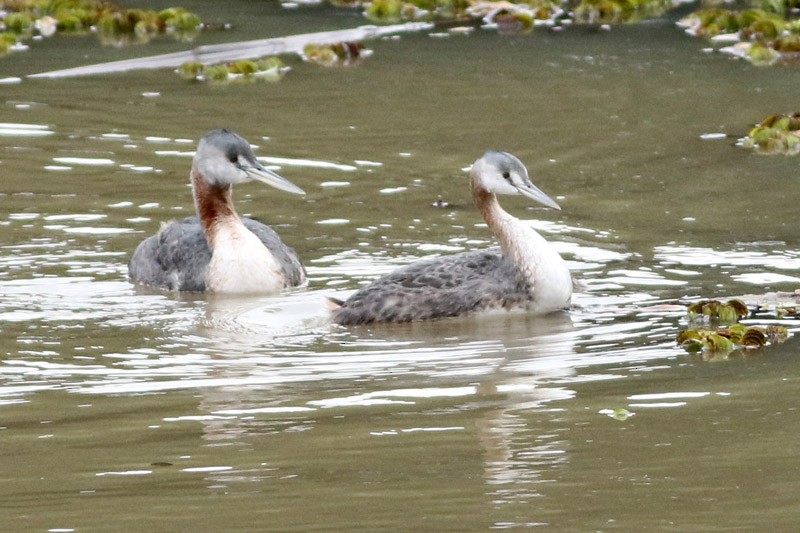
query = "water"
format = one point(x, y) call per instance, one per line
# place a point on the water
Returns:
point(129, 409)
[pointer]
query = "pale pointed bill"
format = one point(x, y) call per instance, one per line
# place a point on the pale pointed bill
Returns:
point(264, 175)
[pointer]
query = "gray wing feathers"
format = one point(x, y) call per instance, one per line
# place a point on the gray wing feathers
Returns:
point(177, 258)
point(287, 258)
point(447, 286)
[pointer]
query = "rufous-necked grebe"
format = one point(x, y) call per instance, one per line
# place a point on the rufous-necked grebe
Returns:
point(217, 251)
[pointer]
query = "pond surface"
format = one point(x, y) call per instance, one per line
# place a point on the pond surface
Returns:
point(124, 409)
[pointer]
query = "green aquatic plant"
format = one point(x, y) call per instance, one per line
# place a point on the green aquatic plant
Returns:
point(192, 70)
point(386, 11)
point(180, 23)
point(776, 134)
point(726, 313)
point(19, 23)
point(617, 11)
point(509, 22)
point(764, 35)
point(266, 68)
point(787, 44)
point(114, 25)
point(7, 40)
point(713, 21)
point(217, 73)
point(244, 67)
point(726, 340)
point(394, 11)
point(511, 16)
point(620, 413)
point(721, 332)
point(751, 24)
point(334, 55)
point(73, 21)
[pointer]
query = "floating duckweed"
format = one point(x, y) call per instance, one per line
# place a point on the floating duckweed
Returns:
point(787, 44)
point(270, 63)
point(761, 55)
point(267, 68)
point(718, 344)
point(764, 34)
point(754, 338)
point(244, 67)
point(385, 11)
point(776, 334)
point(394, 11)
point(332, 55)
point(698, 340)
point(114, 25)
point(451, 9)
point(617, 11)
point(191, 70)
point(179, 19)
point(320, 55)
point(619, 413)
point(713, 21)
point(72, 21)
point(217, 73)
point(757, 24)
point(736, 332)
point(733, 335)
point(690, 340)
point(728, 312)
point(148, 24)
point(776, 134)
point(7, 40)
point(19, 23)
point(180, 22)
point(509, 22)
point(767, 20)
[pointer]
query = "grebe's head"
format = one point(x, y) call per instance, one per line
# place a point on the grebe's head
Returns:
point(224, 158)
point(502, 173)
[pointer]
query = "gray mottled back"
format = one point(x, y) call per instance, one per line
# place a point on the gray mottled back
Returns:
point(177, 258)
point(453, 285)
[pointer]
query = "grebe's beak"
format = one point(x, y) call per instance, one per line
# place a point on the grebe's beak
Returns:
point(259, 173)
point(535, 193)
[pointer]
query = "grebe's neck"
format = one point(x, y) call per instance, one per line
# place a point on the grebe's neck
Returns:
point(214, 205)
point(546, 271)
point(502, 224)
point(240, 263)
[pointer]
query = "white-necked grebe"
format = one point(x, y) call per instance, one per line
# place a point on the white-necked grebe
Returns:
point(525, 272)
point(217, 251)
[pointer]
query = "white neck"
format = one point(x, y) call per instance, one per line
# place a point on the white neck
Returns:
point(537, 260)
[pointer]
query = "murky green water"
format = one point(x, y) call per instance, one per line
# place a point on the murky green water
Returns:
point(127, 410)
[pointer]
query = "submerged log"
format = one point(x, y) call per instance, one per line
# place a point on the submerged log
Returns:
point(218, 53)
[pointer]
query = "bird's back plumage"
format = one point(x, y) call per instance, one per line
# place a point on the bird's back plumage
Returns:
point(447, 286)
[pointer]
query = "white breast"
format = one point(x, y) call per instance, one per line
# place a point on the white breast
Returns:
point(240, 263)
point(541, 264)
point(552, 289)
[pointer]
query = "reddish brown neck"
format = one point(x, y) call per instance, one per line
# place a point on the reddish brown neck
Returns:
point(213, 204)
point(492, 213)
point(487, 204)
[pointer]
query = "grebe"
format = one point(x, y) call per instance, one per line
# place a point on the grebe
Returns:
point(526, 272)
point(217, 251)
